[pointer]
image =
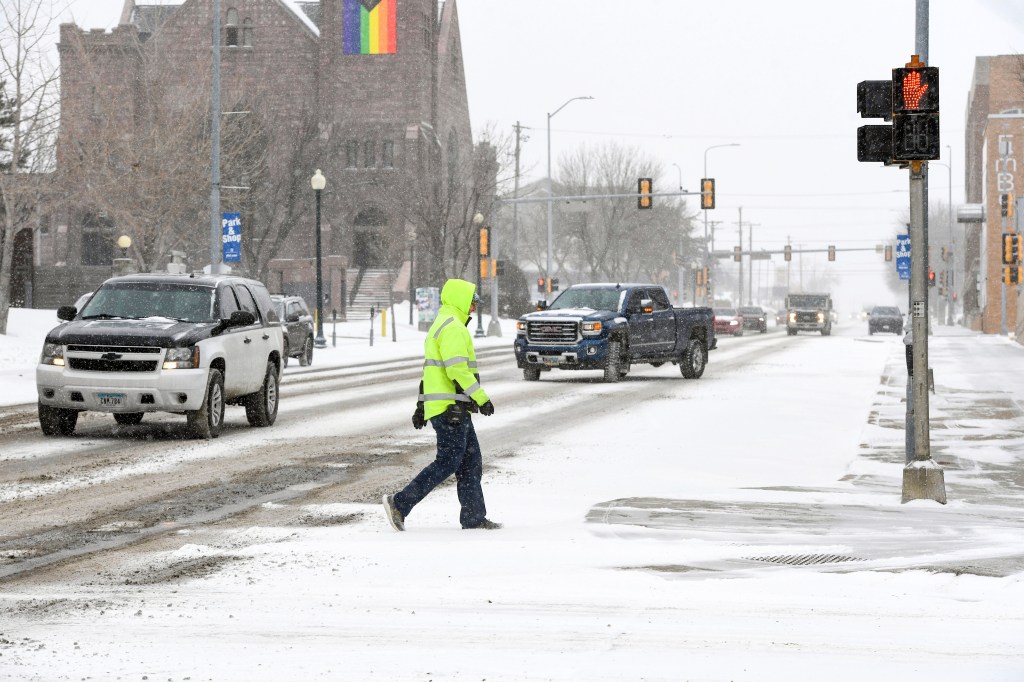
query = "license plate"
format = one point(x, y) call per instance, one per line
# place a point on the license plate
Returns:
point(111, 399)
point(550, 361)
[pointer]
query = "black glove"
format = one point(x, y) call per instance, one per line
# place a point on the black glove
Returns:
point(418, 422)
point(487, 409)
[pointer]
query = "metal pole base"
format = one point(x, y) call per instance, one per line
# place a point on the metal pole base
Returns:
point(319, 342)
point(494, 328)
point(923, 480)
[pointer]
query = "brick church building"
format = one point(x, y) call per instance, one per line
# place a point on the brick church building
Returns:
point(371, 92)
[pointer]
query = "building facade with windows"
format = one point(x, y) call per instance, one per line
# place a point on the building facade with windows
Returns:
point(994, 167)
point(372, 92)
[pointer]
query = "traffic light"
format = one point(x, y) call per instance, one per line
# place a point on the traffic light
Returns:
point(831, 252)
point(915, 112)
point(484, 245)
point(931, 278)
point(645, 186)
point(888, 253)
point(736, 251)
point(1006, 205)
point(707, 193)
point(1013, 274)
point(787, 252)
point(1011, 248)
point(540, 285)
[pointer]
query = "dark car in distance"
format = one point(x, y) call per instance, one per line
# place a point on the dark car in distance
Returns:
point(754, 317)
point(885, 319)
point(297, 324)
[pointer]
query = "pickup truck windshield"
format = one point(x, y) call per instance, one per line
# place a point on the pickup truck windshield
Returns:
point(594, 299)
point(808, 302)
point(139, 300)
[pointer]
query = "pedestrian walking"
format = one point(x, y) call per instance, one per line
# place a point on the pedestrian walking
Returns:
point(450, 393)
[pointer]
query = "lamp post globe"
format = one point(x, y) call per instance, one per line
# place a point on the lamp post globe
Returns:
point(318, 182)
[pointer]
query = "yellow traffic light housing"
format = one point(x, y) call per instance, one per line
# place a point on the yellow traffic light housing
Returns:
point(644, 187)
point(707, 193)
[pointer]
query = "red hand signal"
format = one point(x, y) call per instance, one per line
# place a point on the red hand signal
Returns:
point(913, 91)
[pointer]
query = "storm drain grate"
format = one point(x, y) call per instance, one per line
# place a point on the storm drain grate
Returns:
point(804, 559)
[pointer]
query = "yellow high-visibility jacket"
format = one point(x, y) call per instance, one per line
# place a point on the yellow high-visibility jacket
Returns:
point(449, 358)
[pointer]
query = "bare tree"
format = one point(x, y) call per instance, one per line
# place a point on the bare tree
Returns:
point(29, 84)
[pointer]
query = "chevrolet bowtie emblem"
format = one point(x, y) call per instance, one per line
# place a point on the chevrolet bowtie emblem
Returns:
point(110, 356)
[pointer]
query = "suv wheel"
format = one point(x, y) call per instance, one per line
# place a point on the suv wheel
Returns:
point(57, 421)
point(261, 406)
point(206, 422)
point(306, 359)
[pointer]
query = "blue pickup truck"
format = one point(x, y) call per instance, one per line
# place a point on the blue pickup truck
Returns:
point(609, 327)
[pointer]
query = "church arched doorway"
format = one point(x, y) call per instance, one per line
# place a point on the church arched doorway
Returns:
point(369, 247)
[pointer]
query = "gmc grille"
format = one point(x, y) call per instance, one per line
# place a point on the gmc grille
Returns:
point(807, 317)
point(552, 333)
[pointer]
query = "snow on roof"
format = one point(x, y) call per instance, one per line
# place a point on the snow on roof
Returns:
point(298, 9)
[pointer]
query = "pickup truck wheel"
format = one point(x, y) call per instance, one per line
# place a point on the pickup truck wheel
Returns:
point(531, 374)
point(57, 421)
point(613, 363)
point(261, 406)
point(207, 421)
point(695, 359)
point(128, 418)
point(306, 359)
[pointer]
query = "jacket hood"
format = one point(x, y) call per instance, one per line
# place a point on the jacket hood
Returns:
point(458, 294)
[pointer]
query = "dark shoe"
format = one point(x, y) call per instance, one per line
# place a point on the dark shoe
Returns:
point(486, 524)
point(395, 517)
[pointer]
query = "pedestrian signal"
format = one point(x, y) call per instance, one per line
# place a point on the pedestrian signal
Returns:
point(540, 285)
point(888, 253)
point(831, 252)
point(554, 284)
point(931, 278)
point(707, 193)
point(644, 187)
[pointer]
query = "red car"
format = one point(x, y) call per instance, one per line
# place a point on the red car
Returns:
point(728, 321)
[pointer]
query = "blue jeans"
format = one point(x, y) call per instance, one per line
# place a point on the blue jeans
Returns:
point(458, 452)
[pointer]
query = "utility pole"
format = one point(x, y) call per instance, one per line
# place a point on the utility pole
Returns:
point(750, 259)
point(515, 195)
point(739, 289)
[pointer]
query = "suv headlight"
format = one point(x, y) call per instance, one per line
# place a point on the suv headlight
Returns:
point(591, 328)
point(53, 354)
point(182, 358)
point(520, 328)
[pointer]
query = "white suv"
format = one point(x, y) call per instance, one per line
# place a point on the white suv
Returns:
point(186, 344)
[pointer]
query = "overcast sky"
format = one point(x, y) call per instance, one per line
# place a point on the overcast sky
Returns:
point(674, 77)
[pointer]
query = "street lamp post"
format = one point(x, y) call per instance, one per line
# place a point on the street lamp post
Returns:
point(707, 258)
point(412, 285)
point(551, 191)
point(318, 182)
point(679, 257)
point(478, 220)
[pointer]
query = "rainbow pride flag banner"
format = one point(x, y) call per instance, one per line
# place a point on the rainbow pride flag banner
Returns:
point(370, 26)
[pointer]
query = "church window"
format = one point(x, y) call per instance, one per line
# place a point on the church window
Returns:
point(351, 154)
point(247, 32)
point(97, 240)
point(387, 153)
point(370, 154)
point(232, 28)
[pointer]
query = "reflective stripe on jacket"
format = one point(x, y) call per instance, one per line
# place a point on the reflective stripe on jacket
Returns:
point(449, 367)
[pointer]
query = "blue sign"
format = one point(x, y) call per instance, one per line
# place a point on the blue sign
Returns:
point(232, 223)
point(903, 255)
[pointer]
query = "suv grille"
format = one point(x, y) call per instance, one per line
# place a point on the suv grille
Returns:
point(551, 332)
point(97, 365)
